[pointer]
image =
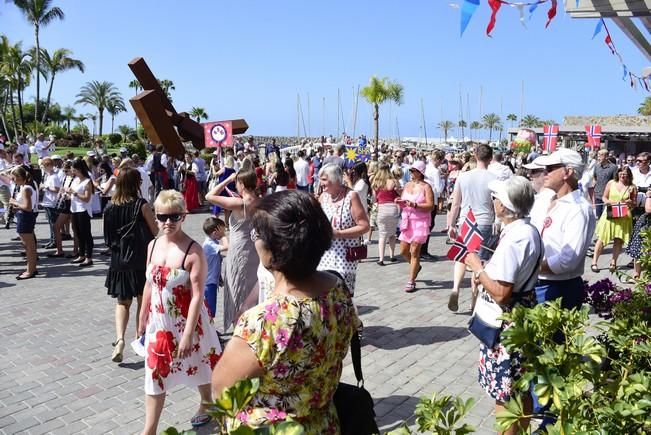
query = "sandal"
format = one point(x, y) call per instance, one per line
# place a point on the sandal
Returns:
point(410, 287)
point(78, 260)
point(594, 268)
point(200, 420)
point(613, 267)
point(118, 351)
point(380, 263)
point(26, 276)
point(453, 302)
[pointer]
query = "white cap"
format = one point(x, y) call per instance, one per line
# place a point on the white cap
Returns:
point(535, 165)
point(563, 156)
point(124, 150)
point(56, 157)
point(91, 153)
point(498, 187)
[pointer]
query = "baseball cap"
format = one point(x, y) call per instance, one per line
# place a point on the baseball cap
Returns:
point(498, 187)
point(563, 156)
point(56, 157)
point(419, 166)
point(535, 165)
point(124, 150)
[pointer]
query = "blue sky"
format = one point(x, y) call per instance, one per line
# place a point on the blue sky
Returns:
point(250, 59)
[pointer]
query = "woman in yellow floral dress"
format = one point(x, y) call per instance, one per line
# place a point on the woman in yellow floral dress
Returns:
point(294, 341)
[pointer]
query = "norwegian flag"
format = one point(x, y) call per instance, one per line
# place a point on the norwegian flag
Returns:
point(593, 132)
point(468, 240)
point(458, 252)
point(550, 137)
point(469, 234)
point(620, 210)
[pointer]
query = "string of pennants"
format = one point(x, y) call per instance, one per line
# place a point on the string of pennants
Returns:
point(469, 7)
point(634, 79)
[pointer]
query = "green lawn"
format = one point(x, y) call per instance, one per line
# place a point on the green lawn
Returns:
point(81, 151)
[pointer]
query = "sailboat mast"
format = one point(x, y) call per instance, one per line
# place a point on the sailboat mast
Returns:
point(422, 113)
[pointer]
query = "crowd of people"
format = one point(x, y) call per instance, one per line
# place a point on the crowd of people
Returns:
point(293, 229)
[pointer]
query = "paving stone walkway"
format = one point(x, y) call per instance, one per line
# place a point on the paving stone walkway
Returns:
point(56, 375)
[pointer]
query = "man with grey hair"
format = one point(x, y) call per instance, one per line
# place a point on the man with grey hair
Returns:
point(566, 226)
point(336, 159)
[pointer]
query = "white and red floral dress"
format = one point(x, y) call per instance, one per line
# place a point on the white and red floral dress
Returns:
point(168, 311)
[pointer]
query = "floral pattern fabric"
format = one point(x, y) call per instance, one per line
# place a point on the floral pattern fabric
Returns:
point(498, 369)
point(168, 312)
point(300, 342)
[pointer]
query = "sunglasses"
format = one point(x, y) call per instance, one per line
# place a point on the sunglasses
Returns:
point(174, 217)
point(641, 161)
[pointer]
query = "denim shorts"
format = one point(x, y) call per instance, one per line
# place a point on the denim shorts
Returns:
point(489, 242)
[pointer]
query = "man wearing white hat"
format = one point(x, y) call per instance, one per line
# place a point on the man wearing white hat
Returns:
point(566, 227)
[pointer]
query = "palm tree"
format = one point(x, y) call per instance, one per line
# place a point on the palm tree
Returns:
point(377, 92)
point(645, 107)
point(445, 126)
point(93, 118)
point(38, 13)
point(98, 94)
point(115, 106)
point(125, 131)
point(199, 113)
point(135, 84)
point(16, 67)
point(167, 85)
point(60, 61)
point(68, 114)
point(490, 121)
point(512, 117)
point(462, 124)
point(474, 125)
point(530, 121)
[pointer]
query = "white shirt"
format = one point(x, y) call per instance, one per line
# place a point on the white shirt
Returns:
point(146, 183)
point(50, 197)
point(433, 178)
point(502, 172)
point(23, 149)
point(19, 195)
point(42, 149)
point(516, 257)
point(567, 236)
point(302, 168)
point(76, 204)
point(475, 194)
point(540, 206)
point(362, 191)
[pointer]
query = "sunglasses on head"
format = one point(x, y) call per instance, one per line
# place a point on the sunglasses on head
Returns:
point(174, 217)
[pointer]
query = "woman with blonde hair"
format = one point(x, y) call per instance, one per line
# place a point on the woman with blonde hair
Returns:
point(129, 226)
point(182, 346)
point(385, 191)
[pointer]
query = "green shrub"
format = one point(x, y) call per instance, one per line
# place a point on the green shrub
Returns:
point(136, 147)
point(114, 138)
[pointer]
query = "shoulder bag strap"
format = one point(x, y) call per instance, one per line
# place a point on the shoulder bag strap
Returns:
point(356, 355)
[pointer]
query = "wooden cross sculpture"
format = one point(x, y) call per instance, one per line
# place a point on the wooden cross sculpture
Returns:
point(160, 120)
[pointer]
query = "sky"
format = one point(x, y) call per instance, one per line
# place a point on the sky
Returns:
point(254, 59)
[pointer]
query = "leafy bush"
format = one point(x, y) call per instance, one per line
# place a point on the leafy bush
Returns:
point(440, 415)
point(136, 147)
point(114, 138)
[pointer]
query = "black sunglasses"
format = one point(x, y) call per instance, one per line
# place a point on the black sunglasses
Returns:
point(174, 217)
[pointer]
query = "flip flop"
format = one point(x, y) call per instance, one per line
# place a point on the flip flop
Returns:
point(453, 302)
point(594, 268)
point(200, 420)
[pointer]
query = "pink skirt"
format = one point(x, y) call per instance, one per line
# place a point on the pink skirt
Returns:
point(414, 228)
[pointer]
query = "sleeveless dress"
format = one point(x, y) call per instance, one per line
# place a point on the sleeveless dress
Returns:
point(240, 273)
point(126, 279)
point(171, 294)
point(341, 217)
point(414, 225)
point(618, 228)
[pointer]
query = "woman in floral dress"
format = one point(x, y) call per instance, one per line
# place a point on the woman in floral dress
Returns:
point(294, 341)
point(182, 346)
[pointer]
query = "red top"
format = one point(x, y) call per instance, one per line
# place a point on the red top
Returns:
point(385, 196)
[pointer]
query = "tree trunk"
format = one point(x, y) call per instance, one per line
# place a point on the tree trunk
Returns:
point(112, 118)
point(68, 122)
point(376, 128)
point(38, 72)
point(13, 114)
point(2, 115)
point(47, 102)
point(101, 120)
point(490, 134)
point(20, 106)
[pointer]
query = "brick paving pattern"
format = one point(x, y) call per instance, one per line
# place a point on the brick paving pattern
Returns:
point(56, 374)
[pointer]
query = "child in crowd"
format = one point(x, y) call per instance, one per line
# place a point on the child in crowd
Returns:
point(213, 246)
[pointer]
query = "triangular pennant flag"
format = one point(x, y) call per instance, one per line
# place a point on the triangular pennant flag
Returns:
point(551, 13)
point(532, 8)
point(495, 7)
point(468, 8)
point(520, 7)
point(625, 72)
point(597, 30)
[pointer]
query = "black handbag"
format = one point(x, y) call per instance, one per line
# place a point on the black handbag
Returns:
point(354, 404)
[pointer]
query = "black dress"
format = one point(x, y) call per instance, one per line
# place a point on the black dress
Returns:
point(126, 274)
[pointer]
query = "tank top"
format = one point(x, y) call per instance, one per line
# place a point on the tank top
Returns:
point(385, 196)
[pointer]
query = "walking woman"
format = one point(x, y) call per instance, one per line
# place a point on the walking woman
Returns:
point(240, 273)
point(129, 226)
point(182, 346)
point(621, 190)
point(386, 191)
point(189, 181)
point(417, 202)
point(64, 214)
point(81, 195)
point(25, 205)
point(349, 221)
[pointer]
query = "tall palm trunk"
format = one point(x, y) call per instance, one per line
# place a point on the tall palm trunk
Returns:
point(13, 113)
point(49, 95)
point(490, 134)
point(38, 72)
point(68, 122)
point(2, 115)
point(20, 105)
point(376, 128)
point(112, 119)
point(101, 119)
